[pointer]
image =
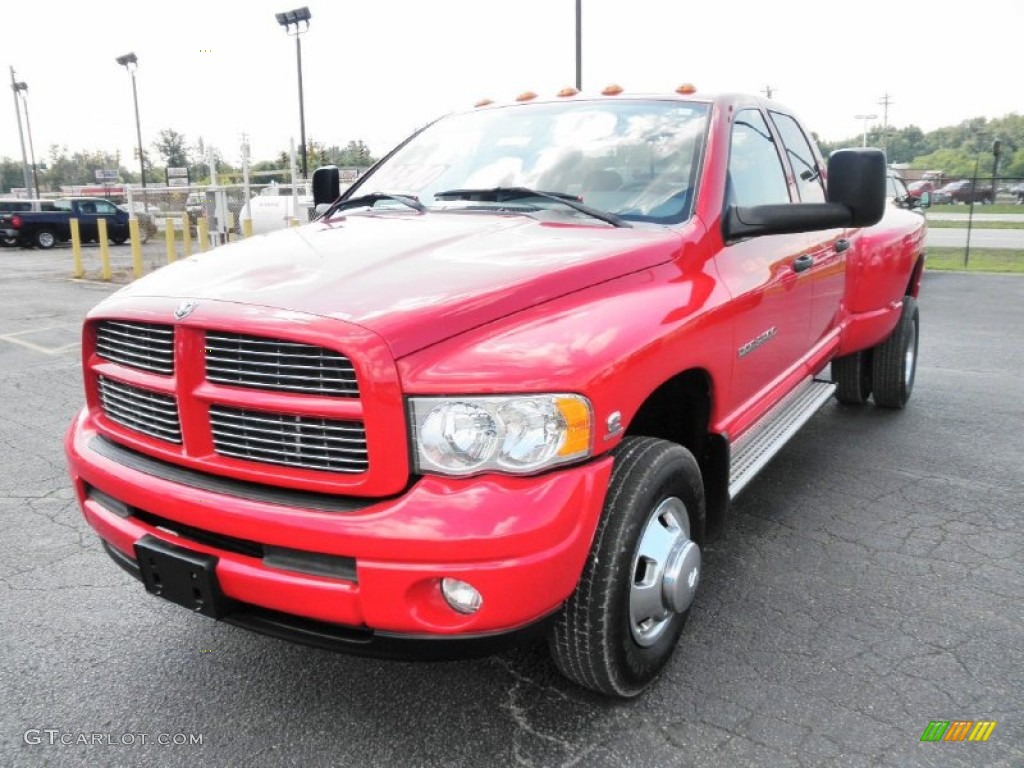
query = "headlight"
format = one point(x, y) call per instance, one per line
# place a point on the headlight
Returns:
point(515, 434)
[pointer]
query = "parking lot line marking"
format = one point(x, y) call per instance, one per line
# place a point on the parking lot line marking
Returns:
point(13, 338)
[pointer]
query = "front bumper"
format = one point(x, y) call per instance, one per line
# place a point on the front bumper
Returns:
point(362, 575)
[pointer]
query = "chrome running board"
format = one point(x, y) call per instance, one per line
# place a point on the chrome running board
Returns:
point(759, 444)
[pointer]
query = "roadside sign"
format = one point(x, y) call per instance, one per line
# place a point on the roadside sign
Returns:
point(106, 174)
point(177, 177)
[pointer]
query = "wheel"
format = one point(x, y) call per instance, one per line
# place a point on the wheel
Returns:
point(45, 239)
point(895, 359)
point(621, 625)
point(852, 376)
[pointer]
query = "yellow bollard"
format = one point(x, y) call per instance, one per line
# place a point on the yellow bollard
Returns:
point(293, 222)
point(169, 234)
point(204, 234)
point(76, 250)
point(133, 233)
point(186, 237)
point(247, 228)
point(101, 224)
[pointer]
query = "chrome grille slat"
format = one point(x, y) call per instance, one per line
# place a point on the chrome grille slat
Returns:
point(307, 442)
point(247, 450)
point(151, 413)
point(299, 376)
point(285, 388)
point(298, 464)
point(274, 364)
point(339, 375)
point(248, 418)
point(128, 329)
point(234, 338)
point(167, 416)
point(274, 439)
point(144, 346)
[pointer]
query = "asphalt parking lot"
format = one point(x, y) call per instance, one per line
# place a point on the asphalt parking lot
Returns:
point(869, 581)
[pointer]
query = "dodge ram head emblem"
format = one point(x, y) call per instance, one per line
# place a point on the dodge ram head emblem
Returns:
point(185, 309)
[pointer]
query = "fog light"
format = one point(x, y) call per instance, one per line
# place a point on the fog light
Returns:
point(461, 596)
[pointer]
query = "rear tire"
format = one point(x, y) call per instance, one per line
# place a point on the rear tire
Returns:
point(621, 625)
point(852, 377)
point(895, 359)
point(45, 239)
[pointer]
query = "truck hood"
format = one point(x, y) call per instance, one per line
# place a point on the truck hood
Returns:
point(413, 279)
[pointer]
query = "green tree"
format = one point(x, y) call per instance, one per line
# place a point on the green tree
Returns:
point(77, 168)
point(11, 175)
point(172, 147)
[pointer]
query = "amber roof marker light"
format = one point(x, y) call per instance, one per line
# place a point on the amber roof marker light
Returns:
point(526, 96)
point(612, 90)
point(566, 92)
point(686, 89)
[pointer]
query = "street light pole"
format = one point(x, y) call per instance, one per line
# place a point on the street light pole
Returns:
point(865, 118)
point(286, 19)
point(131, 62)
point(579, 45)
point(15, 87)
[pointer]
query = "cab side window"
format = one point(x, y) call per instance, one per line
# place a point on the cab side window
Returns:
point(105, 208)
point(801, 158)
point(756, 175)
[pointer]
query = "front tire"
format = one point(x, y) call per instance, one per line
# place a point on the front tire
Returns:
point(621, 625)
point(895, 359)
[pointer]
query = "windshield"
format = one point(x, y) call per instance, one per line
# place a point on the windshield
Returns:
point(636, 159)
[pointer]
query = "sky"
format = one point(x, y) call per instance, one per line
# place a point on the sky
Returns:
point(376, 71)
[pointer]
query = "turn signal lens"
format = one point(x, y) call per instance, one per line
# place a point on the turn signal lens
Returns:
point(576, 415)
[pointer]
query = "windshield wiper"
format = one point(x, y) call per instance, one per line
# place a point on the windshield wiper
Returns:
point(369, 200)
point(501, 194)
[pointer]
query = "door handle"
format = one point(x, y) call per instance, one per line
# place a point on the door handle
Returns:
point(842, 244)
point(803, 263)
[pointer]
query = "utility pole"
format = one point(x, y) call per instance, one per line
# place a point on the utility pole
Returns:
point(885, 101)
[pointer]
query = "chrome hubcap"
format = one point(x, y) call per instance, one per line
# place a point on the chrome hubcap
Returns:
point(909, 359)
point(666, 572)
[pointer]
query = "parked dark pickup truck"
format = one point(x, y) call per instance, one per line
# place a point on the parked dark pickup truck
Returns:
point(46, 228)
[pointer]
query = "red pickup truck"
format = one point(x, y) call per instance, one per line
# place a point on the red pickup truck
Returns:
point(507, 384)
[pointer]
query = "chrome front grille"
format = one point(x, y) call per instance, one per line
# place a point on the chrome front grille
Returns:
point(150, 413)
point(307, 442)
point(284, 366)
point(138, 345)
